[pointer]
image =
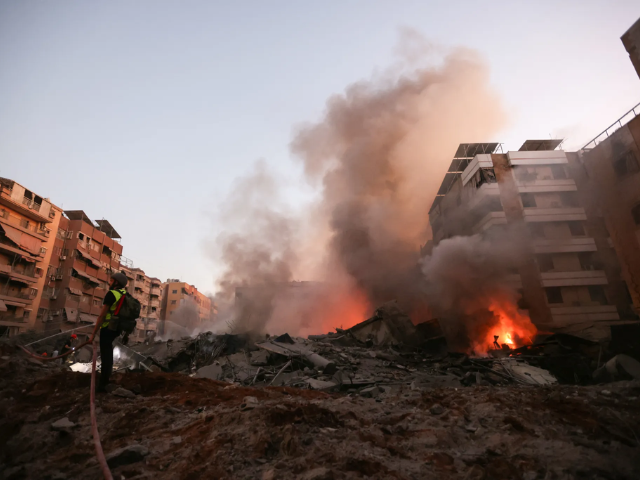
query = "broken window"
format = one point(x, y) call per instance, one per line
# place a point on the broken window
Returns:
point(106, 251)
point(576, 228)
point(596, 292)
point(626, 164)
point(554, 295)
point(80, 236)
point(545, 263)
point(528, 200)
point(558, 172)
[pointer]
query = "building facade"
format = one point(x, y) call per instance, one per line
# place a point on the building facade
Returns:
point(84, 255)
point(568, 279)
point(185, 305)
point(149, 292)
point(631, 42)
point(28, 224)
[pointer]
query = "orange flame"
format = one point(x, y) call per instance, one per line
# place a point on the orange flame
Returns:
point(510, 327)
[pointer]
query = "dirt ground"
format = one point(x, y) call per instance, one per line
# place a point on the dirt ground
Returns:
point(198, 428)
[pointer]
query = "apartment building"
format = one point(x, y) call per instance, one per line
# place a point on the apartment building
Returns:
point(84, 255)
point(196, 309)
point(568, 278)
point(149, 292)
point(28, 223)
point(631, 41)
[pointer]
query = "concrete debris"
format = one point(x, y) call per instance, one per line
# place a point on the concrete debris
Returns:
point(620, 367)
point(64, 424)
point(249, 403)
point(527, 374)
point(213, 372)
point(122, 392)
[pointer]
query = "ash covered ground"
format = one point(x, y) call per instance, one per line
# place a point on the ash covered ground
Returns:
point(174, 426)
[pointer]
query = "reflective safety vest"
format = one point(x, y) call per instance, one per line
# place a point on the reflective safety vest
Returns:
point(118, 295)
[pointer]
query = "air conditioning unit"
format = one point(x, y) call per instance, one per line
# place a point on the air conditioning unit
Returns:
point(55, 313)
point(54, 297)
point(43, 250)
point(58, 277)
point(63, 258)
point(53, 278)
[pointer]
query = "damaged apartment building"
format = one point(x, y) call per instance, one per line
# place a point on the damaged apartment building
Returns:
point(83, 256)
point(28, 223)
point(184, 305)
point(572, 280)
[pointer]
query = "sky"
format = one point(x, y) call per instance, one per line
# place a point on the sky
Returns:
point(145, 112)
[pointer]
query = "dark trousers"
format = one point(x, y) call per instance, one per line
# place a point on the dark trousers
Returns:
point(106, 353)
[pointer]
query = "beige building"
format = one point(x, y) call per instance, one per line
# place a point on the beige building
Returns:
point(28, 223)
point(185, 305)
point(631, 42)
point(149, 292)
point(569, 279)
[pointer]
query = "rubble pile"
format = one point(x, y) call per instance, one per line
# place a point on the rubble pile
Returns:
point(383, 399)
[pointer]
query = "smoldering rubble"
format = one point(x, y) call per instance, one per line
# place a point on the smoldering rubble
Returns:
point(382, 399)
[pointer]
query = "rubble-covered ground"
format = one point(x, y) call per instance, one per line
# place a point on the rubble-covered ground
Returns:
point(172, 426)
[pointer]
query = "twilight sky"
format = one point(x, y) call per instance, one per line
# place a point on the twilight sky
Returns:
point(145, 112)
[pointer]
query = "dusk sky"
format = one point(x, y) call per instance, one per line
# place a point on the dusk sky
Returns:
point(145, 112)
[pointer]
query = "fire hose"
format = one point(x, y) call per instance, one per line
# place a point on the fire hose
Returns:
point(92, 406)
point(94, 422)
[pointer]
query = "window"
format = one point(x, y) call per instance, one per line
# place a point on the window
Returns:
point(635, 211)
point(558, 172)
point(576, 229)
point(626, 164)
point(588, 261)
point(545, 263)
point(596, 292)
point(81, 235)
point(96, 302)
point(569, 199)
point(528, 200)
point(554, 295)
point(174, 291)
point(173, 302)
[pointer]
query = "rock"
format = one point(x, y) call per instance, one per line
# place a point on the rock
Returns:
point(372, 354)
point(370, 392)
point(320, 473)
point(320, 384)
point(213, 372)
point(176, 440)
point(123, 392)
point(249, 403)
point(436, 409)
point(63, 424)
point(127, 455)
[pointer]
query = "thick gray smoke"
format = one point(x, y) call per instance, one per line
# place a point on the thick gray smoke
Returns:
point(378, 156)
point(467, 285)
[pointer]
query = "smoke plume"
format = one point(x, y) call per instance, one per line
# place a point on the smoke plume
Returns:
point(377, 157)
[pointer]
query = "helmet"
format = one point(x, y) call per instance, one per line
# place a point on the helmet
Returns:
point(120, 278)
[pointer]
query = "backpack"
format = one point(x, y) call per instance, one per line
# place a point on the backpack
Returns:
point(125, 316)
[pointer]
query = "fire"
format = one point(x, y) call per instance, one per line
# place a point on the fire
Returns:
point(510, 327)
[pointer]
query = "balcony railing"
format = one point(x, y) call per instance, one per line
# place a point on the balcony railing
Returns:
point(630, 115)
point(20, 222)
point(8, 317)
point(8, 293)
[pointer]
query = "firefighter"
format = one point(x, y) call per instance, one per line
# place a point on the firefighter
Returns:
point(111, 300)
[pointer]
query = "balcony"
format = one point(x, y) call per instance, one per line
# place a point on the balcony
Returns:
point(37, 211)
point(17, 299)
point(6, 248)
point(560, 214)
point(575, 278)
point(546, 185)
point(564, 245)
point(564, 316)
point(12, 318)
point(27, 276)
point(155, 291)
